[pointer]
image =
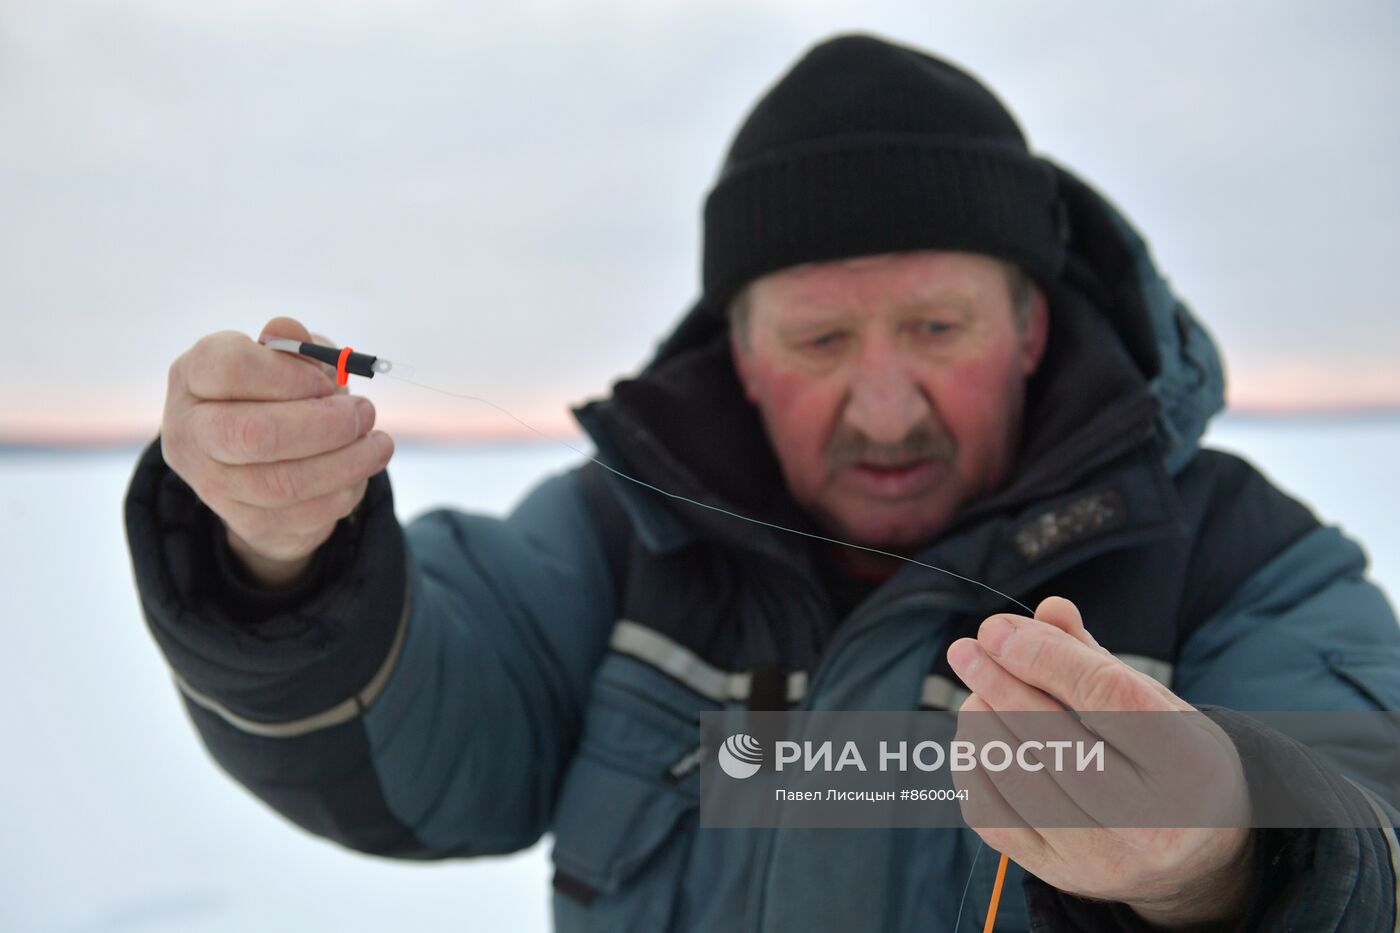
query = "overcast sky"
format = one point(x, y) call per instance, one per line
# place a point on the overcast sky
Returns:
point(506, 196)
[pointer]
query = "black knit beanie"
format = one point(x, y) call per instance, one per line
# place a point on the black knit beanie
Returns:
point(866, 147)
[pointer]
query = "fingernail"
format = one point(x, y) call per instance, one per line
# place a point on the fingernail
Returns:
point(964, 656)
point(994, 633)
point(384, 443)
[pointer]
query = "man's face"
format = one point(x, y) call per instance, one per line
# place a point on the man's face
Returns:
point(891, 386)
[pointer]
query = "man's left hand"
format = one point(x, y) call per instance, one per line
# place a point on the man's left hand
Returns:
point(1173, 878)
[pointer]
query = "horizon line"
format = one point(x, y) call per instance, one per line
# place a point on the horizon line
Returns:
point(97, 440)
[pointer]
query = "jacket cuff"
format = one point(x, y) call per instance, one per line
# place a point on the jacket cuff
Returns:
point(1276, 854)
point(250, 601)
point(264, 655)
point(1305, 879)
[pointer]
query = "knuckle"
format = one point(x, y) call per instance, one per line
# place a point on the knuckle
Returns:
point(204, 367)
point(1021, 788)
point(1139, 692)
point(335, 420)
point(1034, 648)
point(207, 429)
point(1108, 687)
point(203, 348)
point(229, 434)
point(224, 373)
point(219, 432)
point(255, 436)
point(280, 483)
point(1161, 856)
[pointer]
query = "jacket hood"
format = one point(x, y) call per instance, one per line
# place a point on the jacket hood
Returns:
point(1126, 364)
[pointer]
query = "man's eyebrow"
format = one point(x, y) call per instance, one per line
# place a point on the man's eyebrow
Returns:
point(826, 306)
point(939, 297)
point(819, 306)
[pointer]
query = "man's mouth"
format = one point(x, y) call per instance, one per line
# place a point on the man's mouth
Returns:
point(895, 480)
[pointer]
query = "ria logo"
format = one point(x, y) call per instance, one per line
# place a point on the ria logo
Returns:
point(741, 756)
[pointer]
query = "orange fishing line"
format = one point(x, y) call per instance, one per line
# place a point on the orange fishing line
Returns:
point(996, 896)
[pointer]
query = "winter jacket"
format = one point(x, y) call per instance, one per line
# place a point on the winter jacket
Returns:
point(464, 684)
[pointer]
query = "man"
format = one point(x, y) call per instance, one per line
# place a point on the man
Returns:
point(913, 336)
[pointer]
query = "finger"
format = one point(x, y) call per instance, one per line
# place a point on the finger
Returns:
point(989, 814)
point(1027, 775)
point(1098, 686)
point(1027, 714)
point(292, 329)
point(275, 531)
point(288, 482)
point(1064, 615)
point(288, 328)
point(266, 432)
point(1046, 657)
point(229, 366)
point(983, 676)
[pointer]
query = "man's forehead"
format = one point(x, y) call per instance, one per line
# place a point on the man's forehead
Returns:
point(920, 275)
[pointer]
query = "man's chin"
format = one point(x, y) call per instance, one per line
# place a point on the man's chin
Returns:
point(895, 533)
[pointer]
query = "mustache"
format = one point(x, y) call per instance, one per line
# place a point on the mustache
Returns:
point(848, 446)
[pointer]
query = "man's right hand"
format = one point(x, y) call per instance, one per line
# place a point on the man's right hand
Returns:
point(268, 442)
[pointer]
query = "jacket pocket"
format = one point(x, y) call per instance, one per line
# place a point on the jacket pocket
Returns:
point(623, 823)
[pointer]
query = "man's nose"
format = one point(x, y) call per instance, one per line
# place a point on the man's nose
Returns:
point(886, 401)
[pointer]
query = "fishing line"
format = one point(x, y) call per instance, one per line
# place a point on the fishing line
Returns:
point(347, 361)
point(971, 870)
point(1001, 865)
point(704, 505)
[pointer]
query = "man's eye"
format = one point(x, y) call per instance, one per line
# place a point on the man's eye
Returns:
point(827, 340)
point(934, 328)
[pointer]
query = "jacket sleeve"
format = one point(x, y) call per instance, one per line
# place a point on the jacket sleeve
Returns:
point(1307, 631)
point(419, 695)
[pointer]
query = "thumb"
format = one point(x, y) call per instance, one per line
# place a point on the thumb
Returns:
point(1064, 615)
point(289, 328)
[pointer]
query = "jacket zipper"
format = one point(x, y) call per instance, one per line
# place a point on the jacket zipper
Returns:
point(873, 617)
point(858, 625)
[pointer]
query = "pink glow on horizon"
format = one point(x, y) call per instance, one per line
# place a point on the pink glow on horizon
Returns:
point(1311, 386)
point(68, 415)
point(117, 418)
